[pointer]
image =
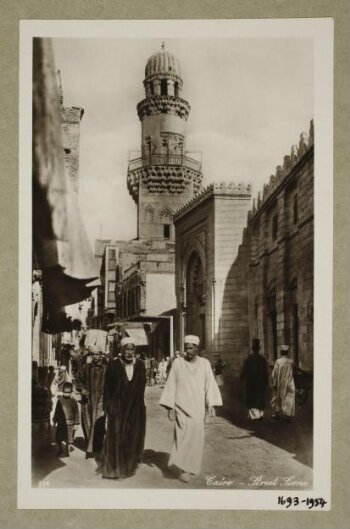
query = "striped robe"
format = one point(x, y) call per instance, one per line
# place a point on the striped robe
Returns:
point(190, 388)
point(92, 412)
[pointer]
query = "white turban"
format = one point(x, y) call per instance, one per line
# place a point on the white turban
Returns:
point(284, 348)
point(191, 338)
point(126, 341)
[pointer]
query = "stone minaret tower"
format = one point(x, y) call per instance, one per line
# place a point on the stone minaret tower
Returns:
point(71, 118)
point(165, 177)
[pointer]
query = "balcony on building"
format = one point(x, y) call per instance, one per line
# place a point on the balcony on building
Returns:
point(182, 160)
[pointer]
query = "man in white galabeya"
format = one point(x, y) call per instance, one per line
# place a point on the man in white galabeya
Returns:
point(190, 391)
point(283, 402)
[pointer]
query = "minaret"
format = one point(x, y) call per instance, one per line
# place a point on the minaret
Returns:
point(165, 176)
point(71, 118)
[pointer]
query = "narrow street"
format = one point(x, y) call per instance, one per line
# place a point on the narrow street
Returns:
point(238, 453)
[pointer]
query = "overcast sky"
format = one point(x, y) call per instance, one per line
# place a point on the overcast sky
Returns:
point(250, 100)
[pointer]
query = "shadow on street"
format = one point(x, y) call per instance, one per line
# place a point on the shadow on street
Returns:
point(44, 460)
point(295, 436)
point(160, 460)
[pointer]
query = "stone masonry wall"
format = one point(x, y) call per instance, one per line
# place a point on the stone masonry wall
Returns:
point(281, 259)
point(231, 307)
point(71, 118)
point(211, 225)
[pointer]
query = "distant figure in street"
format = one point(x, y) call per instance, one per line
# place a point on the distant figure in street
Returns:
point(218, 371)
point(61, 377)
point(66, 419)
point(91, 381)
point(153, 371)
point(124, 402)
point(254, 375)
point(148, 369)
point(283, 401)
point(162, 367)
point(189, 391)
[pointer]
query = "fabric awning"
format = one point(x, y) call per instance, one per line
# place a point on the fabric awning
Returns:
point(138, 335)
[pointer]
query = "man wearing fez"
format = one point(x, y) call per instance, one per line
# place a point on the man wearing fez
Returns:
point(190, 390)
point(125, 409)
point(283, 402)
point(254, 375)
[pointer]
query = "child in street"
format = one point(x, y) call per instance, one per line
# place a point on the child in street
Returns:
point(66, 419)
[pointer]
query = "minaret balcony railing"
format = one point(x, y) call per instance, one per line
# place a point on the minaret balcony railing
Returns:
point(165, 159)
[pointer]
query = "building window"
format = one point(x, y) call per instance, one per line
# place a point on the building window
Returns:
point(166, 216)
point(163, 87)
point(295, 209)
point(274, 227)
point(149, 214)
point(112, 264)
point(111, 291)
point(166, 231)
point(176, 89)
point(111, 296)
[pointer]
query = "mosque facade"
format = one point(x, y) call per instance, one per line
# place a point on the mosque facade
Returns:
point(246, 273)
point(204, 257)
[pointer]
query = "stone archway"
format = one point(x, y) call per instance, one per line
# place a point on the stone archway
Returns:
point(195, 298)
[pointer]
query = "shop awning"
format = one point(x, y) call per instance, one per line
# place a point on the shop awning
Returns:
point(138, 335)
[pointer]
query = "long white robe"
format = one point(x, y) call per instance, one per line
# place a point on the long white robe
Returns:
point(283, 402)
point(189, 390)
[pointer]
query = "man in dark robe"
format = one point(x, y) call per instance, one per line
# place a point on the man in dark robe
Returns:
point(92, 411)
point(255, 376)
point(124, 403)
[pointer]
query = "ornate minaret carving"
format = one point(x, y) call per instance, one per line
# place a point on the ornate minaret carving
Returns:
point(165, 176)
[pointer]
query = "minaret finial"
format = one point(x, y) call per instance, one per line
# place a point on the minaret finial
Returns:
point(163, 45)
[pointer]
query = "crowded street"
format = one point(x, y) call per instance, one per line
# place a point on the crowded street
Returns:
point(158, 361)
point(238, 453)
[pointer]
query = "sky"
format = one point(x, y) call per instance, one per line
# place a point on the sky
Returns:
point(250, 100)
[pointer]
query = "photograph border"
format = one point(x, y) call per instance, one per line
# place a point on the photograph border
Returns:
point(319, 34)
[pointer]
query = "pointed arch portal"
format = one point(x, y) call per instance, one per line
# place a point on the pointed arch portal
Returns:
point(195, 298)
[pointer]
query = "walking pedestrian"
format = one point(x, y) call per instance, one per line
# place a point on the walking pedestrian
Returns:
point(162, 368)
point(219, 367)
point(283, 401)
point(153, 371)
point(91, 381)
point(66, 419)
point(148, 369)
point(254, 375)
point(124, 401)
point(189, 392)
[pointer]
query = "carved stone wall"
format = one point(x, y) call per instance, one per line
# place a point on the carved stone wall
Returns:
point(154, 105)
